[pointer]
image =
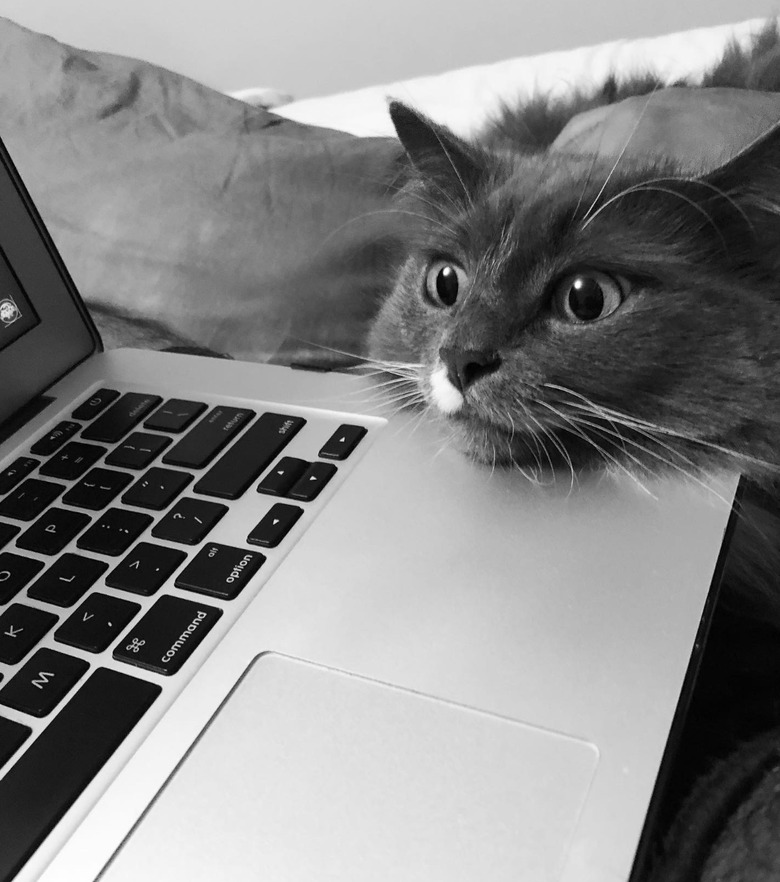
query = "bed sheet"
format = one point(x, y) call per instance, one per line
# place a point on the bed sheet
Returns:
point(464, 98)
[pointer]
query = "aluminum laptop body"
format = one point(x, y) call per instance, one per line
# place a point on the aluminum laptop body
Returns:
point(440, 672)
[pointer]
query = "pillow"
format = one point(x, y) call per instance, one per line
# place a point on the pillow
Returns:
point(187, 217)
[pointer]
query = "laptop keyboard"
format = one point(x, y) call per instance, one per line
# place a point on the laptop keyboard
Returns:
point(132, 485)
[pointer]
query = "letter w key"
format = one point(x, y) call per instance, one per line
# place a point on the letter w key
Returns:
point(43, 682)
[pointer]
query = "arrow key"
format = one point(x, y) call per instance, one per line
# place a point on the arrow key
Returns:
point(282, 476)
point(275, 525)
point(21, 627)
point(96, 622)
point(342, 442)
point(312, 481)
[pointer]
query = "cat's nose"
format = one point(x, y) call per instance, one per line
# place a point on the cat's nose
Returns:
point(464, 366)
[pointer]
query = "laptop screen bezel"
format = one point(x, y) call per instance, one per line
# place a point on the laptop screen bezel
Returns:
point(65, 335)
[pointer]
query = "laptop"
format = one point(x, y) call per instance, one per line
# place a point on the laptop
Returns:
point(255, 626)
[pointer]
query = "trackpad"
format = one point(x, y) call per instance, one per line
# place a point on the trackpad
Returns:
point(309, 773)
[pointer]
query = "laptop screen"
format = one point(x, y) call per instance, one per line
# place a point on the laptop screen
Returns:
point(17, 314)
point(45, 330)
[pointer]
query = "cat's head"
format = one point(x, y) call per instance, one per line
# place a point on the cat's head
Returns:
point(569, 310)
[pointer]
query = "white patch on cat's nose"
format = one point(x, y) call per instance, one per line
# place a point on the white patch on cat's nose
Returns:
point(447, 398)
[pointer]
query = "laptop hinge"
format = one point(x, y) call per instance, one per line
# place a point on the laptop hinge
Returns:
point(20, 419)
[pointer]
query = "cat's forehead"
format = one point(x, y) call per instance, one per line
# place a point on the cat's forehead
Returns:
point(552, 178)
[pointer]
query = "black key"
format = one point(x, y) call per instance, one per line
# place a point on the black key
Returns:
point(29, 499)
point(220, 570)
point(72, 461)
point(175, 415)
point(167, 635)
point(98, 402)
point(204, 441)
point(275, 525)
point(282, 476)
point(55, 438)
point(7, 533)
point(157, 488)
point(12, 737)
point(114, 532)
point(138, 450)
point(122, 416)
point(66, 580)
point(249, 456)
point(15, 572)
point(43, 681)
point(97, 621)
point(45, 781)
point(21, 627)
point(189, 521)
point(342, 442)
point(145, 568)
point(19, 469)
point(97, 489)
point(312, 481)
point(53, 530)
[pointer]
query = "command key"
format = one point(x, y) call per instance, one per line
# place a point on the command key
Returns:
point(167, 635)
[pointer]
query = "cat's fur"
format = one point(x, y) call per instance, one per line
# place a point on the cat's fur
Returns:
point(683, 377)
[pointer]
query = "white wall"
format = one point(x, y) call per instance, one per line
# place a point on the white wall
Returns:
point(316, 47)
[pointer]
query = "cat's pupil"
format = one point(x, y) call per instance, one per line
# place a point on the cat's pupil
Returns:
point(586, 298)
point(447, 285)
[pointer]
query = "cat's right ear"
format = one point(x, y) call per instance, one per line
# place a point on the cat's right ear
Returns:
point(434, 150)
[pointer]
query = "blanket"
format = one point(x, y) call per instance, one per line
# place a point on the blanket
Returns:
point(188, 218)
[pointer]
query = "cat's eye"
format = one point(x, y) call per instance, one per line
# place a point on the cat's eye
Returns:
point(587, 296)
point(444, 281)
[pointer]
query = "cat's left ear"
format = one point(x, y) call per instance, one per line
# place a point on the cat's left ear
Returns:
point(743, 195)
point(434, 150)
point(753, 171)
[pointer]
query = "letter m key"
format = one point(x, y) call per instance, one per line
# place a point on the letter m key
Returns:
point(43, 679)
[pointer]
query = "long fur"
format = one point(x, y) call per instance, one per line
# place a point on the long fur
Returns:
point(682, 378)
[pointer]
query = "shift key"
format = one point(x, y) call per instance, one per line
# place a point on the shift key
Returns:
point(167, 635)
point(204, 441)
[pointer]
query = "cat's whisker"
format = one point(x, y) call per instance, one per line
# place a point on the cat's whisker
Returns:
point(641, 188)
point(377, 213)
point(451, 161)
point(665, 430)
point(607, 457)
point(615, 419)
point(561, 447)
point(456, 206)
point(586, 183)
point(535, 478)
point(545, 434)
point(664, 460)
point(620, 155)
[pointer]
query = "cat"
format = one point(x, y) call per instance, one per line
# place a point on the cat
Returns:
point(570, 312)
point(566, 311)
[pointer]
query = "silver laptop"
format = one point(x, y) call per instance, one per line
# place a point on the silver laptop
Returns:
point(253, 628)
